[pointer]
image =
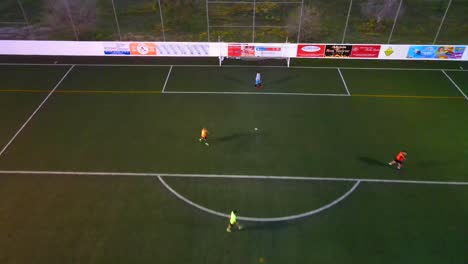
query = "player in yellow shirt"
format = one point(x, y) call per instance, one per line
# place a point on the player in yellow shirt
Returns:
point(204, 136)
point(233, 222)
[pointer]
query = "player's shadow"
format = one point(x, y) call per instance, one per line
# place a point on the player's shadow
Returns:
point(236, 137)
point(266, 226)
point(285, 79)
point(372, 161)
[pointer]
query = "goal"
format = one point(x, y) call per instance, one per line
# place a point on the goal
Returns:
point(256, 54)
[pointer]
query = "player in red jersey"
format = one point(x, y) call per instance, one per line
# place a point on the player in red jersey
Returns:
point(399, 159)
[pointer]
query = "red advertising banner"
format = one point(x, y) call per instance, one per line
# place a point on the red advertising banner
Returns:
point(241, 50)
point(310, 50)
point(145, 49)
point(365, 51)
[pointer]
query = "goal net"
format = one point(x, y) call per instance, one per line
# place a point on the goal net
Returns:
point(256, 54)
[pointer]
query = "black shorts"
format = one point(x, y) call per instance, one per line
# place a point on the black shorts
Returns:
point(399, 162)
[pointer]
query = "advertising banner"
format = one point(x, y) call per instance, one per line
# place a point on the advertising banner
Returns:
point(310, 51)
point(241, 50)
point(339, 51)
point(252, 50)
point(365, 51)
point(183, 49)
point(143, 49)
point(436, 52)
point(268, 51)
point(222, 49)
point(393, 52)
point(116, 48)
point(465, 55)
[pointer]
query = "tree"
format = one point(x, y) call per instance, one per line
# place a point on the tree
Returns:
point(380, 10)
point(310, 26)
point(77, 16)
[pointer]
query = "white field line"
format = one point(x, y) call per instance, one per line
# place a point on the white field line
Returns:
point(257, 219)
point(344, 82)
point(229, 66)
point(37, 109)
point(167, 79)
point(252, 93)
point(224, 176)
point(455, 84)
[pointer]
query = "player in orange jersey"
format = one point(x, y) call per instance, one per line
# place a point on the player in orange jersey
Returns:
point(204, 136)
point(399, 159)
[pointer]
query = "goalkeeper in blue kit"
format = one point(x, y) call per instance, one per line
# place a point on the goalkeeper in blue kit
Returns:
point(258, 81)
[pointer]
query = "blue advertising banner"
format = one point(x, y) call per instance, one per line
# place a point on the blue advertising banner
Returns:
point(435, 52)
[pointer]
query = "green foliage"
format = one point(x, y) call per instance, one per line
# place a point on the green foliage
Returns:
point(371, 27)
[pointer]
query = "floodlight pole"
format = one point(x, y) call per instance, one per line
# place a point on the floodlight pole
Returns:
point(253, 22)
point(207, 21)
point(395, 21)
point(116, 20)
point(22, 10)
point(67, 7)
point(300, 23)
point(347, 19)
point(442, 22)
point(162, 21)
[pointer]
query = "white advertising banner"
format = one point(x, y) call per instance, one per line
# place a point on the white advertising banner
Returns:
point(465, 55)
point(183, 49)
point(220, 49)
point(393, 52)
point(52, 48)
point(167, 49)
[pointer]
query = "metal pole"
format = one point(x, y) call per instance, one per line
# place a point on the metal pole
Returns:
point(300, 22)
point(67, 7)
point(162, 20)
point(442, 22)
point(394, 22)
point(116, 20)
point(347, 19)
point(207, 21)
point(253, 22)
point(22, 10)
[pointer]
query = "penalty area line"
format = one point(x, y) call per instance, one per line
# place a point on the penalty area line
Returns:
point(35, 111)
point(344, 82)
point(252, 93)
point(225, 176)
point(455, 84)
point(167, 79)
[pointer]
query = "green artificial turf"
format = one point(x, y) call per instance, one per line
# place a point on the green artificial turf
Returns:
point(461, 79)
point(132, 219)
point(14, 111)
point(238, 79)
point(259, 197)
point(30, 77)
point(114, 219)
point(401, 82)
point(115, 78)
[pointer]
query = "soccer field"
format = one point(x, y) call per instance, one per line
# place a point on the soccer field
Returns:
point(101, 163)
